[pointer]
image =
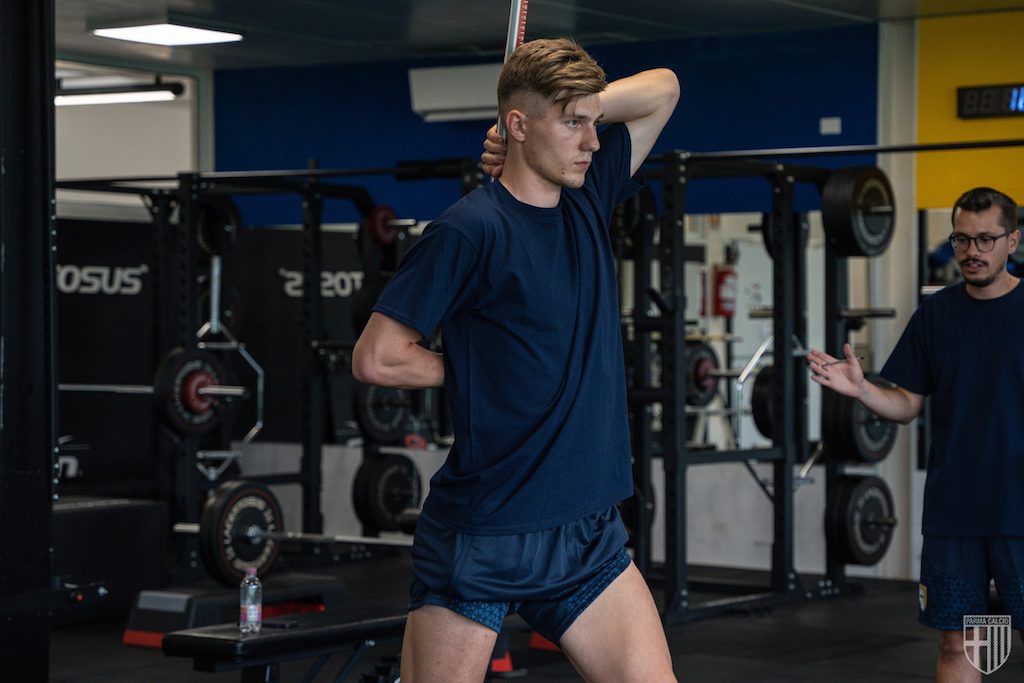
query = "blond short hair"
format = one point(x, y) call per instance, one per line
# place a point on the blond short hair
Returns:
point(557, 70)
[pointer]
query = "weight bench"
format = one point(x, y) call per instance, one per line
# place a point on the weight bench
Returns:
point(297, 636)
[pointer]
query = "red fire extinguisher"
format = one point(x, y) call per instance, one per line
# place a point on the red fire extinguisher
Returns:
point(723, 295)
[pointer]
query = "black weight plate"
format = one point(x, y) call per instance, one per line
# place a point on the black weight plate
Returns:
point(851, 432)
point(859, 520)
point(858, 211)
point(761, 400)
point(384, 488)
point(172, 391)
point(701, 385)
point(225, 547)
point(382, 413)
point(219, 223)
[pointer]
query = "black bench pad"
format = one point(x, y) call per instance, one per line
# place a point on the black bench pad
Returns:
point(285, 637)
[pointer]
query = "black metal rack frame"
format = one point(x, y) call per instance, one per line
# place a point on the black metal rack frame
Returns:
point(668, 331)
point(175, 245)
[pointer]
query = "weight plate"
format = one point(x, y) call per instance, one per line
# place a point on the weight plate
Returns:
point(701, 383)
point(761, 400)
point(176, 390)
point(229, 525)
point(219, 222)
point(385, 488)
point(859, 520)
point(858, 211)
point(380, 224)
point(382, 413)
point(851, 432)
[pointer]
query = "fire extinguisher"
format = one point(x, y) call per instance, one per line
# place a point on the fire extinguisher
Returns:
point(723, 297)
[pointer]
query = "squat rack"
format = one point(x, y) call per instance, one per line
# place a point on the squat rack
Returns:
point(789, 437)
point(175, 246)
point(667, 332)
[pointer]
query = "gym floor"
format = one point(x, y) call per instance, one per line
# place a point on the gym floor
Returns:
point(872, 636)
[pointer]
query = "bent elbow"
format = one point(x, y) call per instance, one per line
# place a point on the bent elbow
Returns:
point(364, 368)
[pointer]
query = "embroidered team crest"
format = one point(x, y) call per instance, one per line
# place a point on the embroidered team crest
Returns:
point(922, 596)
point(987, 641)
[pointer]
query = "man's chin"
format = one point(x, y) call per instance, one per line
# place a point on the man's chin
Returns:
point(980, 282)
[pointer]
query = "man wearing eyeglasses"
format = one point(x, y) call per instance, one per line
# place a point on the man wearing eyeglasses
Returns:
point(962, 347)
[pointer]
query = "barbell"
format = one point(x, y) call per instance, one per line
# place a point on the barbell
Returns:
point(188, 387)
point(241, 524)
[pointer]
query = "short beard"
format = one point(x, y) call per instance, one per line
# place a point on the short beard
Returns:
point(981, 283)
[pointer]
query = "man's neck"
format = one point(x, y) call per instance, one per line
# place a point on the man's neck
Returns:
point(528, 187)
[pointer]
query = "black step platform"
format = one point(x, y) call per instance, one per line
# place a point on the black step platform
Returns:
point(299, 636)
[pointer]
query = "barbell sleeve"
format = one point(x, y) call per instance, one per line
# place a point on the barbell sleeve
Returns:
point(107, 388)
point(192, 528)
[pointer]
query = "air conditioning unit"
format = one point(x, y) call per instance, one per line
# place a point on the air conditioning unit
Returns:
point(455, 93)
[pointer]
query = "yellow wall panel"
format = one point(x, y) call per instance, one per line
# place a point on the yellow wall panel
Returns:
point(957, 51)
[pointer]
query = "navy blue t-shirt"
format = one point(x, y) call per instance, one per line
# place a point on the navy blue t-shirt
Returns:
point(965, 354)
point(527, 302)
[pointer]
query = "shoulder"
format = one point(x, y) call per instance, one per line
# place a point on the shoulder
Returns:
point(475, 218)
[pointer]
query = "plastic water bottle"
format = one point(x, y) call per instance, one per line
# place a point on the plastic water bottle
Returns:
point(250, 606)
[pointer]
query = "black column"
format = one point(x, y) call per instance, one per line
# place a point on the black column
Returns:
point(26, 334)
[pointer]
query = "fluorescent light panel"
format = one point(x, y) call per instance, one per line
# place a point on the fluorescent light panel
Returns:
point(154, 92)
point(170, 35)
point(113, 98)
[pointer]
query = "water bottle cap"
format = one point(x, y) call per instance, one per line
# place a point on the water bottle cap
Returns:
point(250, 571)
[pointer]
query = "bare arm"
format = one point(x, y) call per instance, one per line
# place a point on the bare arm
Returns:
point(644, 102)
point(846, 377)
point(386, 354)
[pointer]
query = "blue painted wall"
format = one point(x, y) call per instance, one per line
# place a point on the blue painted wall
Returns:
point(739, 92)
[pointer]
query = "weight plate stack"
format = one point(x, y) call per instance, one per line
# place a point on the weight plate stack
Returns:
point(851, 432)
point(859, 520)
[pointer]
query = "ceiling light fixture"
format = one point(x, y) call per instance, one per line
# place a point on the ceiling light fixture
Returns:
point(153, 92)
point(170, 31)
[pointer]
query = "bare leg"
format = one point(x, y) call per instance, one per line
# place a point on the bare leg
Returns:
point(619, 637)
point(953, 666)
point(441, 646)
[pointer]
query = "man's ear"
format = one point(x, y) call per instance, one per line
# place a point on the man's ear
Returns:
point(515, 124)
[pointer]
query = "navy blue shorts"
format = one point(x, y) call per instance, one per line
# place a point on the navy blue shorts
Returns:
point(955, 576)
point(548, 577)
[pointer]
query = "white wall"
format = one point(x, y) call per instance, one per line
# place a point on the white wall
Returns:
point(119, 140)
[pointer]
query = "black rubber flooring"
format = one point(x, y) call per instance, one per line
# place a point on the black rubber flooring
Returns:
point(871, 636)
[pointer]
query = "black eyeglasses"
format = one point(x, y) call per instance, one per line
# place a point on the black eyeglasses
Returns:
point(983, 242)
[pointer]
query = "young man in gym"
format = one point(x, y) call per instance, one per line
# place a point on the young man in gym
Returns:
point(962, 348)
point(519, 277)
